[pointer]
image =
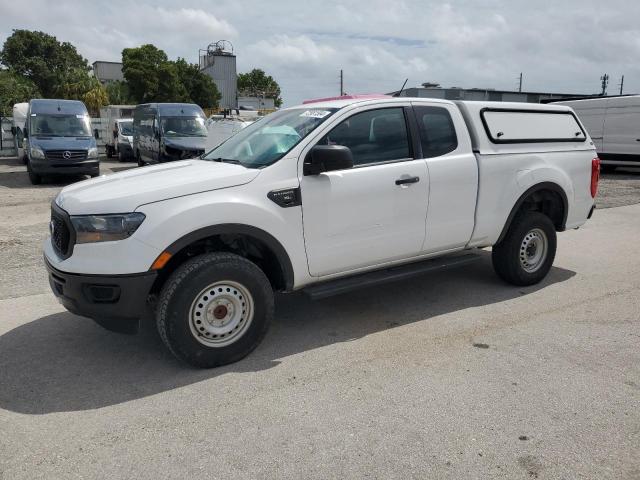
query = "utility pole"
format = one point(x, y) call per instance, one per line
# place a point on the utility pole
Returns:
point(621, 84)
point(605, 82)
point(520, 83)
point(341, 83)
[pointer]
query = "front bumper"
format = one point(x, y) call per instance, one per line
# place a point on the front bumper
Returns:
point(44, 167)
point(117, 302)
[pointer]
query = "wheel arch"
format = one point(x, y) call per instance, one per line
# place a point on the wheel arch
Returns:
point(280, 273)
point(539, 189)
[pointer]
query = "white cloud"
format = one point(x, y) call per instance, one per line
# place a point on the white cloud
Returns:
point(561, 46)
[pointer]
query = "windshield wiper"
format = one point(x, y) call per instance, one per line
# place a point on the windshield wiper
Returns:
point(227, 160)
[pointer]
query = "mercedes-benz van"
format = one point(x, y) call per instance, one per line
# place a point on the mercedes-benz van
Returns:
point(58, 140)
point(163, 132)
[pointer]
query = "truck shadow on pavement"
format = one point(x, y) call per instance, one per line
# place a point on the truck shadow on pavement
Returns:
point(62, 362)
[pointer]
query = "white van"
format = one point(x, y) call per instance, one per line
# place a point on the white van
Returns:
point(19, 121)
point(114, 113)
point(614, 126)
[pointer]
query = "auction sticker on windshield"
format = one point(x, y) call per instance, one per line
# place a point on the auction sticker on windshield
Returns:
point(315, 113)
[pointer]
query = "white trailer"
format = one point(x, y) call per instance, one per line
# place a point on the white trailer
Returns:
point(614, 126)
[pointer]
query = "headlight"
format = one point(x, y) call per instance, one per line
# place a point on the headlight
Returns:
point(105, 228)
point(92, 153)
point(37, 152)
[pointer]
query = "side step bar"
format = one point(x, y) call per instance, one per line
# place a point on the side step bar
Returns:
point(391, 274)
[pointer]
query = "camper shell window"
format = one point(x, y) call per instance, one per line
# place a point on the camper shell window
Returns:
point(531, 126)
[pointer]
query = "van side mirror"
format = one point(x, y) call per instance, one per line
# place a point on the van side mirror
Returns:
point(96, 134)
point(326, 158)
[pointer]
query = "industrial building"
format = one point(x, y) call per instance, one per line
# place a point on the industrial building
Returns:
point(219, 62)
point(430, 90)
point(108, 72)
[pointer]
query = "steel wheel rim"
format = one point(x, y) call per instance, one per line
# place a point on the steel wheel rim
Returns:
point(533, 250)
point(221, 313)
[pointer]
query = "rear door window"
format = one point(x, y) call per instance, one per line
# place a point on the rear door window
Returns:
point(437, 133)
point(531, 126)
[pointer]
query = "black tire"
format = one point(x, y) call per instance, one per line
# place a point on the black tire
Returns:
point(34, 178)
point(506, 255)
point(121, 156)
point(191, 280)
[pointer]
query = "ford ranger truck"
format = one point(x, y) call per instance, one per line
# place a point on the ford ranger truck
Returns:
point(325, 197)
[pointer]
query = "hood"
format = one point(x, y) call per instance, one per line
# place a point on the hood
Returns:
point(63, 143)
point(125, 191)
point(187, 143)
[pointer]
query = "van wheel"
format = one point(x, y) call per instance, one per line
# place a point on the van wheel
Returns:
point(34, 178)
point(214, 309)
point(121, 157)
point(525, 255)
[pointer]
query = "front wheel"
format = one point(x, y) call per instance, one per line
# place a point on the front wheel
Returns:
point(34, 178)
point(215, 309)
point(525, 255)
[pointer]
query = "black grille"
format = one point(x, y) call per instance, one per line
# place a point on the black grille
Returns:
point(66, 155)
point(60, 233)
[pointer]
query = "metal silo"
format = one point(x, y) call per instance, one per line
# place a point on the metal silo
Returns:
point(219, 62)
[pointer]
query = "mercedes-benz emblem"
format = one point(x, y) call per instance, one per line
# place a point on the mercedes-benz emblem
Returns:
point(66, 154)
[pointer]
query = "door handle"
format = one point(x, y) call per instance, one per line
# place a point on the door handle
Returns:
point(408, 180)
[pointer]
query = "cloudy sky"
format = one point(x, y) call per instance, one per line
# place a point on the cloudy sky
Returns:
point(560, 45)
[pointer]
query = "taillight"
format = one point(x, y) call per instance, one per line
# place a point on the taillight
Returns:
point(595, 176)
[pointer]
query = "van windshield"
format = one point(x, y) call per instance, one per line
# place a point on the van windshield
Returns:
point(270, 138)
point(126, 128)
point(62, 125)
point(183, 127)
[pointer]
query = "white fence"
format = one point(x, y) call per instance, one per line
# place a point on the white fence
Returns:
point(9, 144)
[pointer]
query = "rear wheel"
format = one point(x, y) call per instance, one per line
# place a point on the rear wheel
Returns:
point(526, 254)
point(215, 309)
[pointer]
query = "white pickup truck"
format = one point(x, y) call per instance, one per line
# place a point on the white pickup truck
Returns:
point(325, 197)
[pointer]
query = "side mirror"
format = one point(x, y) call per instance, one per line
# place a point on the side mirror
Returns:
point(96, 134)
point(326, 158)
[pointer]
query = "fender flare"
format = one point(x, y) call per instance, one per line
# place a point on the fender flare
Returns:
point(554, 187)
point(240, 229)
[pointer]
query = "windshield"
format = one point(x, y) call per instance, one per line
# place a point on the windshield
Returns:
point(126, 128)
point(270, 138)
point(183, 127)
point(63, 125)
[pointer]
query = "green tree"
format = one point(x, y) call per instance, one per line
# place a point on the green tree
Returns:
point(199, 86)
point(42, 59)
point(95, 98)
point(15, 89)
point(150, 75)
point(118, 93)
point(258, 83)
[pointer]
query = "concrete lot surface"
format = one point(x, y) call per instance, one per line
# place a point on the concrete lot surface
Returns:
point(452, 375)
